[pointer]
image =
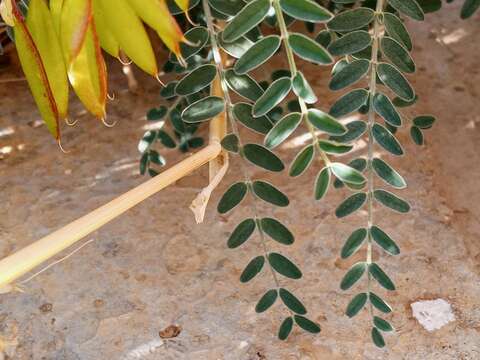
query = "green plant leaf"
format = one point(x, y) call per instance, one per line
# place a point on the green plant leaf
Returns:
point(250, 16)
point(351, 19)
point(156, 158)
point(203, 109)
point(409, 8)
point(229, 8)
point(302, 161)
point(263, 157)
point(417, 135)
point(379, 303)
point(349, 75)
point(388, 174)
point(384, 107)
point(260, 52)
point(353, 275)
point(282, 130)
point(196, 80)
point(236, 48)
point(308, 49)
point(332, 147)
point(377, 338)
point(391, 201)
point(386, 140)
point(350, 102)
point(384, 241)
point(243, 85)
point(357, 304)
point(197, 38)
point(325, 122)
point(397, 54)
point(382, 324)
point(273, 96)
point(252, 269)
point(277, 231)
point(231, 143)
point(292, 302)
point(469, 8)
point(157, 114)
point(242, 233)
point(285, 328)
point(266, 301)
point(243, 114)
point(395, 81)
point(284, 266)
point(324, 38)
point(382, 278)
point(305, 10)
point(269, 193)
point(307, 324)
point(350, 43)
point(302, 89)
point(424, 121)
point(232, 197)
point(351, 204)
point(397, 30)
point(353, 243)
point(347, 174)
point(166, 139)
point(355, 130)
point(322, 183)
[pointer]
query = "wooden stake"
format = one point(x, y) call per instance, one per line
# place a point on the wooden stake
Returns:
point(14, 266)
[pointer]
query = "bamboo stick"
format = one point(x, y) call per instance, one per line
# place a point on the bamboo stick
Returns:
point(19, 263)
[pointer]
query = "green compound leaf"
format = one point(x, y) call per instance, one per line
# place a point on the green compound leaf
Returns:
point(302, 161)
point(285, 328)
point(250, 16)
point(322, 182)
point(351, 19)
point(203, 109)
point(384, 241)
point(410, 8)
point(388, 174)
point(263, 157)
point(397, 30)
point(269, 193)
point(395, 81)
point(232, 197)
point(305, 10)
point(292, 302)
point(424, 121)
point(347, 174)
point(273, 96)
point(353, 243)
point(355, 130)
point(284, 266)
point(197, 80)
point(391, 201)
point(260, 52)
point(266, 301)
point(307, 324)
point(351, 204)
point(382, 278)
point(353, 275)
point(384, 107)
point(349, 74)
point(382, 324)
point(302, 89)
point(231, 143)
point(308, 49)
point(350, 102)
point(325, 122)
point(282, 130)
point(243, 85)
point(398, 55)
point(357, 304)
point(377, 338)
point(277, 231)
point(386, 140)
point(252, 269)
point(379, 304)
point(350, 43)
point(243, 114)
point(242, 233)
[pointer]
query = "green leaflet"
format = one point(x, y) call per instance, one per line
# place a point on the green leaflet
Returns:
point(397, 30)
point(332, 147)
point(356, 304)
point(270, 193)
point(350, 74)
point(302, 161)
point(266, 301)
point(353, 243)
point(384, 107)
point(309, 50)
point(395, 81)
point(347, 174)
point(243, 85)
point(409, 8)
point(322, 182)
point(277, 231)
point(250, 16)
point(242, 233)
point(285, 328)
point(386, 140)
point(292, 302)
point(306, 10)
point(384, 241)
point(197, 80)
point(284, 266)
point(236, 48)
point(260, 52)
point(353, 275)
point(350, 43)
point(416, 135)
point(274, 94)
point(263, 157)
point(325, 122)
point(203, 109)
point(351, 19)
point(355, 130)
point(229, 8)
point(469, 8)
point(231, 143)
point(391, 201)
point(282, 130)
point(382, 324)
point(424, 121)
point(351, 204)
point(379, 303)
point(243, 114)
point(252, 269)
point(350, 102)
point(397, 54)
point(232, 197)
point(388, 174)
point(377, 338)
point(307, 324)
point(302, 89)
point(382, 278)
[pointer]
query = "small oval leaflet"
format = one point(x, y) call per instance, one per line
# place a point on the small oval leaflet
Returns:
point(357, 304)
point(242, 233)
point(384, 107)
point(262, 157)
point(266, 301)
point(353, 275)
point(302, 89)
point(309, 50)
point(424, 121)
point(382, 278)
point(384, 241)
point(349, 75)
point(408, 7)
point(347, 174)
point(325, 122)
point(395, 81)
point(285, 328)
point(230, 143)
point(386, 140)
point(292, 302)
point(398, 55)
point(391, 201)
point(305, 10)
point(382, 324)
point(203, 109)
point(243, 114)
point(232, 197)
point(274, 94)
point(351, 204)
point(377, 338)
point(243, 85)
point(379, 303)
point(250, 16)
point(269, 193)
point(252, 269)
point(306, 324)
point(260, 52)
point(355, 130)
point(353, 243)
point(397, 30)
point(349, 103)
point(282, 130)
point(197, 80)
point(302, 161)
point(350, 43)
point(416, 135)
point(351, 19)
point(284, 266)
point(388, 174)
point(322, 182)
point(332, 147)
point(277, 231)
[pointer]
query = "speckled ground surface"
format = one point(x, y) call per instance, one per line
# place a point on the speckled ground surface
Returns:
point(154, 267)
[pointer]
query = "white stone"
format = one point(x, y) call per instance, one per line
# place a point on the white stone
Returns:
point(433, 314)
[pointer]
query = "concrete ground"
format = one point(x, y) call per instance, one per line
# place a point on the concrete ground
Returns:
point(154, 267)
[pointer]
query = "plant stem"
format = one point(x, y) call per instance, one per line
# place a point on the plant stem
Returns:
point(293, 69)
point(371, 144)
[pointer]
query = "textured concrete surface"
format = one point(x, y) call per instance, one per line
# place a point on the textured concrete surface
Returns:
point(154, 267)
